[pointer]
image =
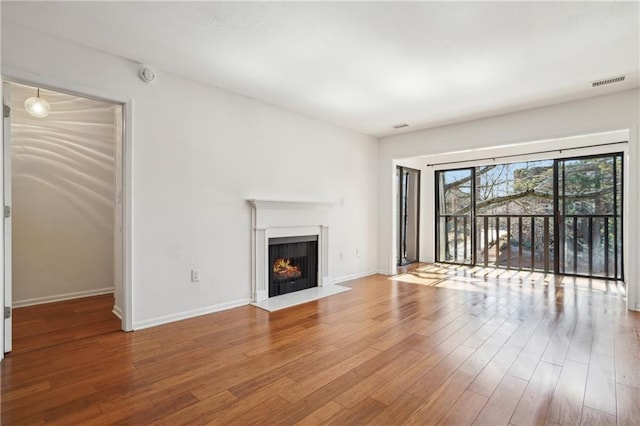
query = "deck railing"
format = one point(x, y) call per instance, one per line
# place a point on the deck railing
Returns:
point(591, 244)
point(523, 242)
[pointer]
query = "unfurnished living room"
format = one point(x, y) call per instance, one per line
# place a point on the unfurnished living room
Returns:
point(343, 213)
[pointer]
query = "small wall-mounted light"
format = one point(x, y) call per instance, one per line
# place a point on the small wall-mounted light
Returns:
point(37, 106)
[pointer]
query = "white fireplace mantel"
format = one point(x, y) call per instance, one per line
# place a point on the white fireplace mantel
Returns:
point(274, 219)
point(274, 204)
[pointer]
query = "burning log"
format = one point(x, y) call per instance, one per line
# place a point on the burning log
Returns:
point(283, 269)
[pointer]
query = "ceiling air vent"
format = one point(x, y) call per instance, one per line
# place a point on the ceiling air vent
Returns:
point(400, 126)
point(607, 81)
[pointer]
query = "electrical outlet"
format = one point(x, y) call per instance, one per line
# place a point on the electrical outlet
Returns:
point(341, 255)
point(195, 275)
point(357, 252)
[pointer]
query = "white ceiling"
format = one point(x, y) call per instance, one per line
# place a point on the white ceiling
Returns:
point(367, 65)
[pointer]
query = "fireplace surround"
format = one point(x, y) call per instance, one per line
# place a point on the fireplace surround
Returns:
point(272, 219)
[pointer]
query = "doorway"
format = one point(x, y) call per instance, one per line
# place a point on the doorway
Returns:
point(562, 216)
point(408, 181)
point(63, 187)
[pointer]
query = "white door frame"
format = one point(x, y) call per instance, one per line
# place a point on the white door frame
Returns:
point(22, 77)
point(6, 223)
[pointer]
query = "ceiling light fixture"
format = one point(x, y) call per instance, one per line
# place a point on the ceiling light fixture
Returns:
point(37, 106)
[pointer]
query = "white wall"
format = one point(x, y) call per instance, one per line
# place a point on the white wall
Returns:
point(198, 154)
point(517, 133)
point(62, 198)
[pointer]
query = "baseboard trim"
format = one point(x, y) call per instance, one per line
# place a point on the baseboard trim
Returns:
point(165, 319)
point(261, 295)
point(117, 311)
point(383, 272)
point(353, 277)
point(61, 297)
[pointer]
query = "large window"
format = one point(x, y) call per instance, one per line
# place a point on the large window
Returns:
point(562, 216)
point(590, 216)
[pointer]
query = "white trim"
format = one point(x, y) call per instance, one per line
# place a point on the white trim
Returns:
point(117, 311)
point(299, 297)
point(275, 204)
point(631, 235)
point(615, 145)
point(18, 76)
point(165, 319)
point(353, 277)
point(325, 281)
point(392, 259)
point(528, 150)
point(127, 212)
point(2, 249)
point(61, 297)
point(260, 295)
point(272, 219)
point(383, 272)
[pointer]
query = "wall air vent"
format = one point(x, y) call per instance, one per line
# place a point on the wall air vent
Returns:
point(607, 81)
point(400, 126)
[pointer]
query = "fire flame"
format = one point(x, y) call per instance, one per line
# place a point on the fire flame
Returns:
point(284, 267)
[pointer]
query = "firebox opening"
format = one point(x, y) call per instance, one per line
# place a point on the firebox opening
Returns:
point(293, 264)
point(284, 269)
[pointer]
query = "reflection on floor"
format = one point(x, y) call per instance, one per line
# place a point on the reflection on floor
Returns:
point(478, 278)
point(41, 326)
point(517, 349)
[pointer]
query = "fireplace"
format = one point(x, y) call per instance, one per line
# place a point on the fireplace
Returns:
point(293, 264)
point(288, 222)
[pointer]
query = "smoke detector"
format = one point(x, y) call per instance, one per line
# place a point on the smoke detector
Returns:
point(147, 74)
point(605, 81)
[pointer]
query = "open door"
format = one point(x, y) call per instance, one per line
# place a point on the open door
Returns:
point(6, 146)
point(408, 214)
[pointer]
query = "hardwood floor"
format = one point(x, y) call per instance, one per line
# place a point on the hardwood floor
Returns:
point(41, 326)
point(454, 346)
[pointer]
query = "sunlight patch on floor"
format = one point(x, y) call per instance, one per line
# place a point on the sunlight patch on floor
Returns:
point(474, 278)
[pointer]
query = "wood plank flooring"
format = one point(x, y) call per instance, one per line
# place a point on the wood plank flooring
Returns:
point(41, 326)
point(454, 346)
